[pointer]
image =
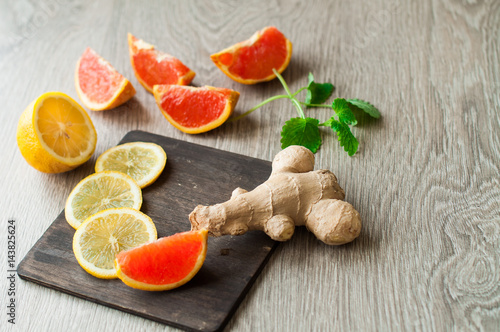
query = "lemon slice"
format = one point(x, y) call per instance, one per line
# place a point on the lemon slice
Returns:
point(101, 191)
point(55, 134)
point(142, 161)
point(105, 234)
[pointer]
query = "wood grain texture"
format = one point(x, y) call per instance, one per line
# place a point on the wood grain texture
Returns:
point(426, 179)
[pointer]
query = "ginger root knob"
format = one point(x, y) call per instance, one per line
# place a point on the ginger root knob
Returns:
point(294, 195)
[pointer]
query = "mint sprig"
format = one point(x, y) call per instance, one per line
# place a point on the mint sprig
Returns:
point(304, 130)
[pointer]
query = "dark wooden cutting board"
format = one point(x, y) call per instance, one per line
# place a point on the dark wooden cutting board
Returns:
point(193, 175)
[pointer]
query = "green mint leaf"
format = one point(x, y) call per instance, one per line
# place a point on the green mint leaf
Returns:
point(346, 138)
point(341, 108)
point(317, 93)
point(365, 107)
point(304, 132)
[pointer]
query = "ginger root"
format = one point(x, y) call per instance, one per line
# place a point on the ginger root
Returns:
point(294, 195)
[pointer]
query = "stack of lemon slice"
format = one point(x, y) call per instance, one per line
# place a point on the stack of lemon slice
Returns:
point(104, 207)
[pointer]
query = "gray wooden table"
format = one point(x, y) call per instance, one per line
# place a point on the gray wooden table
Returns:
point(426, 178)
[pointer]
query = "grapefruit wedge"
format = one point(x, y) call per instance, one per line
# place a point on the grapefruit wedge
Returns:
point(153, 67)
point(99, 86)
point(252, 61)
point(164, 264)
point(195, 110)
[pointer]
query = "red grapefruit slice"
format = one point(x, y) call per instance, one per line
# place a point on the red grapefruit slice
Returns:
point(152, 67)
point(99, 86)
point(195, 110)
point(252, 61)
point(164, 264)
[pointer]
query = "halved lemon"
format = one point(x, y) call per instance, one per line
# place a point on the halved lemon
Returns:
point(105, 234)
point(142, 161)
point(101, 191)
point(55, 134)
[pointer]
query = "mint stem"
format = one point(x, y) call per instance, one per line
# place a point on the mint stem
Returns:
point(257, 106)
point(299, 91)
point(292, 98)
point(315, 105)
point(289, 95)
